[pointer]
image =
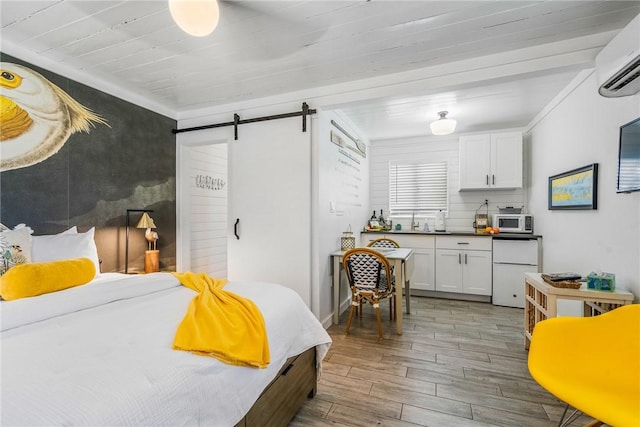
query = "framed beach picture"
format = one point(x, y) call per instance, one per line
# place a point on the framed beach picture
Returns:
point(575, 189)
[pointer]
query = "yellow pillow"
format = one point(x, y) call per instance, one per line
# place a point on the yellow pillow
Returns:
point(37, 278)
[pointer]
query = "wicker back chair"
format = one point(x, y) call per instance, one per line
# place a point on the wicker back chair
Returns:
point(383, 242)
point(370, 279)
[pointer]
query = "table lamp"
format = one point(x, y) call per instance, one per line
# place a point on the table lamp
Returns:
point(152, 254)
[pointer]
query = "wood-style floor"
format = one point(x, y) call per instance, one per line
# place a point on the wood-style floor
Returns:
point(458, 363)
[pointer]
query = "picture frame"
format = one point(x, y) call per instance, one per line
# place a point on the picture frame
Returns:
point(576, 189)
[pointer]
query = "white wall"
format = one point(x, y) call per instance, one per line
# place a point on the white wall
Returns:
point(350, 195)
point(207, 185)
point(583, 128)
point(427, 149)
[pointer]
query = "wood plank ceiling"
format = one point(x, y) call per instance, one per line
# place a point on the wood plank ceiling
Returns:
point(266, 48)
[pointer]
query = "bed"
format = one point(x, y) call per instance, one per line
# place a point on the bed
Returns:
point(100, 354)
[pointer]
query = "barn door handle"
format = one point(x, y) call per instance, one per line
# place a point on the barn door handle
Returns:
point(235, 228)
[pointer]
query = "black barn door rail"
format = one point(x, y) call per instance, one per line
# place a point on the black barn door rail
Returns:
point(237, 121)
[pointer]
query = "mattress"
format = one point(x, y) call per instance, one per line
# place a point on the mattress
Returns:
point(100, 354)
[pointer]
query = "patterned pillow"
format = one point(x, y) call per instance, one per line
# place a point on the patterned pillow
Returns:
point(15, 247)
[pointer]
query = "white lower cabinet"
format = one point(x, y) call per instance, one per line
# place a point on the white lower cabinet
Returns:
point(424, 274)
point(463, 265)
point(422, 265)
point(458, 264)
point(476, 273)
point(449, 268)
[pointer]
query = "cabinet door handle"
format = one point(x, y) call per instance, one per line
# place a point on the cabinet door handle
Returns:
point(463, 243)
point(487, 179)
point(459, 258)
point(465, 258)
point(493, 179)
point(235, 228)
point(286, 370)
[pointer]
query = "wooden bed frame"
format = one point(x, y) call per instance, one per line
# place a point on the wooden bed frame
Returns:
point(281, 399)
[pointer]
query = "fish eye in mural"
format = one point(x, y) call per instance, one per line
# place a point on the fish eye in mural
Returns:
point(36, 117)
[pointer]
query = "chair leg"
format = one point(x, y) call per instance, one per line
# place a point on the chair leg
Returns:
point(351, 310)
point(390, 308)
point(377, 308)
point(564, 422)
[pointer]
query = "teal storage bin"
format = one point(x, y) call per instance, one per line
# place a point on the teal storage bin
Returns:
point(601, 282)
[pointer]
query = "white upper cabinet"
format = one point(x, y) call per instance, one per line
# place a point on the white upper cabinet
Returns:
point(491, 161)
point(506, 160)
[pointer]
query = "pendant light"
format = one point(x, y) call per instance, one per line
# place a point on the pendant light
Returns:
point(195, 17)
point(443, 126)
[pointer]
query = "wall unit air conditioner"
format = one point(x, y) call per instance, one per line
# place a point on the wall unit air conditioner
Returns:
point(618, 64)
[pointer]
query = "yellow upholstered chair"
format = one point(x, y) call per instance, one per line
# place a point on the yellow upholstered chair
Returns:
point(591, 363)
point(370, 280)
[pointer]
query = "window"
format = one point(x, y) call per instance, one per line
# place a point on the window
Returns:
point(417, 187)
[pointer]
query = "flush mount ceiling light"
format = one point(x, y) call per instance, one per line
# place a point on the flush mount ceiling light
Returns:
point(443, 126)
point(195, 17)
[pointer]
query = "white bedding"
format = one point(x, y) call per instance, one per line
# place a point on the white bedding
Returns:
point(100, 355)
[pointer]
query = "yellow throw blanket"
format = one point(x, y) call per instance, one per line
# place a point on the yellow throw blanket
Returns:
point(222, 324)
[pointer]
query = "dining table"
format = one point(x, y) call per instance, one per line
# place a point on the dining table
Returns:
point(400, 258)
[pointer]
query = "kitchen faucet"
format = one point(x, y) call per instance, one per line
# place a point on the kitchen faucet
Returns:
point(414, 223)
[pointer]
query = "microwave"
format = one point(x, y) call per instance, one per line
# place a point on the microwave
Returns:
point(513, 223)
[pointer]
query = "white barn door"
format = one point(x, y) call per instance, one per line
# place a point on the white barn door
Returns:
point(270, 204)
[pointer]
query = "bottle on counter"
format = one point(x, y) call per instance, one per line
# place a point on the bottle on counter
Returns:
point(440, 221)
point(381, 220)
point(374, 224)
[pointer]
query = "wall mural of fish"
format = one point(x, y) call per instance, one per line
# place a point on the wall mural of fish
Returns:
point(82, 157)
point(37, 117)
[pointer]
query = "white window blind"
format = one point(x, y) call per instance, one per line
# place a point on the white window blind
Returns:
point(417, 187)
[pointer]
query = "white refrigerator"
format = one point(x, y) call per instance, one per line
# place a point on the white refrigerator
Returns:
point(512, 257)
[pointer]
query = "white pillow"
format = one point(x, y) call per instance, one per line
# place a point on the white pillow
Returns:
point(72, 230)
point(15, 247)
point(35, 239)
point(65, 246)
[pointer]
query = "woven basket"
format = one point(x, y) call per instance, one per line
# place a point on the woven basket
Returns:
point(347, 241)
point(572, 284)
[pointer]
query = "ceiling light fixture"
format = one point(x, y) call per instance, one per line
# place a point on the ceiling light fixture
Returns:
point(195, 17)
point(443, 126)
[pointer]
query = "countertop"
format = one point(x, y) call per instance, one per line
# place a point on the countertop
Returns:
point(499, 236)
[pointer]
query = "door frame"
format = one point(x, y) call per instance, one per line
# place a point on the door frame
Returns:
point(183, 207)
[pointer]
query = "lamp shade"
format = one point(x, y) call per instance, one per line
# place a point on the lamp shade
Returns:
point(443, 126)
point(145, 221)
point(195, 17)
